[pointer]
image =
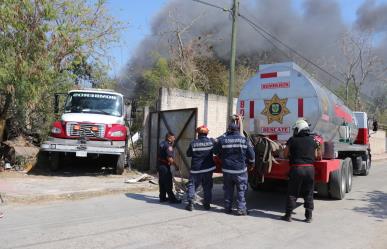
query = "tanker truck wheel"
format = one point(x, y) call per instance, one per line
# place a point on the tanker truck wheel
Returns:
point(120, 164)
point(357, 163)
point(349, 173)
point(337, 183)
point(367, 161)
point(322, 189)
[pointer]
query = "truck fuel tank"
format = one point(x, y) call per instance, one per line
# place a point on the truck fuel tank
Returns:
point(279, 94)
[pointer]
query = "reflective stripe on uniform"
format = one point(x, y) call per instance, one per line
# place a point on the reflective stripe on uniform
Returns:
point(227, 146)
point(203, 170)
point(202, 148)
point(251, 161)
point(234, 171)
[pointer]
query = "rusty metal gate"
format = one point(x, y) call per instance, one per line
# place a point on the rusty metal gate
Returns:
point(182, 123)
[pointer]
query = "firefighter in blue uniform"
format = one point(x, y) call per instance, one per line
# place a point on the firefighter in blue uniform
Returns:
point(235, 152)
point(302, 152)
point(165, 160)
point(202, 167)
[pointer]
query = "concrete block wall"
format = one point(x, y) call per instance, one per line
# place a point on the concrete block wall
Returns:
point(212, 109)
point(378, 142)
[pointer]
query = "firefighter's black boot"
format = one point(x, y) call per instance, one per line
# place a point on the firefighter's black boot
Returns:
point(240, 212)
point(228, 210)
point(287, 217)
point(189, 206)
point(308, 215)
point(173, 200)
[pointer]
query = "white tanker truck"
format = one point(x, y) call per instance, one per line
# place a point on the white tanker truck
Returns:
point(277, 96)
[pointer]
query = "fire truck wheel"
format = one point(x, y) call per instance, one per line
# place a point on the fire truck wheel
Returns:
point(54, 161)
point(349, 173)
point(42, 159)
point(127, 163)
point(367, 161)
point(120, 164)
point(337, 183)
point(322, 190)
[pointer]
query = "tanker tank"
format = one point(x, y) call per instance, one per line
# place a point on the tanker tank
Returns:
point(279, 94)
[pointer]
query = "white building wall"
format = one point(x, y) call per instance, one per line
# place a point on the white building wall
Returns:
point(212, 109)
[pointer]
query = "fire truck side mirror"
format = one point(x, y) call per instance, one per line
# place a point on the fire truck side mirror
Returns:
point(128, 112)
point(375, 125)
point(133, 110)
point(57, 100)
point(130, 109)
point(56, 104)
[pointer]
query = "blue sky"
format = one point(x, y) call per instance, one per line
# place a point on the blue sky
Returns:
point(139, 14)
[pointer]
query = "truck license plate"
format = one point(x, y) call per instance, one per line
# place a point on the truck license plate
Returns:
point(81, 153)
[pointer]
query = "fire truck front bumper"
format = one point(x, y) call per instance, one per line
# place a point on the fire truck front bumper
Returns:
point(82, 149)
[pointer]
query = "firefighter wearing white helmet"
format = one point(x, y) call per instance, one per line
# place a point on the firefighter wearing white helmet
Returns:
point(300, 125)
point(302, 151)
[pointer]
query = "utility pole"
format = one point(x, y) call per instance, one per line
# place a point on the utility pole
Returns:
point(231, 84)
point(234, 14)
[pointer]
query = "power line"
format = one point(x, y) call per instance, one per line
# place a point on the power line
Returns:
point(288, 47)
point(268, 39)
point(264, 33)
point(234, 14)
point(212, 5)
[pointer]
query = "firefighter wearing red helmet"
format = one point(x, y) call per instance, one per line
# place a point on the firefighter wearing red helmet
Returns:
point(202, 167)
point(302, 152)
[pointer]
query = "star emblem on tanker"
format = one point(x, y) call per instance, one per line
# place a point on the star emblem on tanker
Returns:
point(275, 109)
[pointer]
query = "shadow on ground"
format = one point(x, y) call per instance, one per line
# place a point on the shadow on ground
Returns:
point(153, 200)
point(71, 166)
point(263, 204)
point(376, 206)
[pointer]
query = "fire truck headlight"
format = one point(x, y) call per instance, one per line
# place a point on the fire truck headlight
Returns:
point(56, 130)
point(117, 134)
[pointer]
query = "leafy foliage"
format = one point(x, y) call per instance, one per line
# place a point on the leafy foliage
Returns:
point(341, 92)
point(193, 67)
point(45, 47)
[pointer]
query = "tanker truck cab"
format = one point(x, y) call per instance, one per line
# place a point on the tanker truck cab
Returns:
point(279, 94)
point(93, 124)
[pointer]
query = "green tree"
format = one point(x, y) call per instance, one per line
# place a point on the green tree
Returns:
point(349, 91)
point(151, 80)
point(46, 46)
point(197, 70)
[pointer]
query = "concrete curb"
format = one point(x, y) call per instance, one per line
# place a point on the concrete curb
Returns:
point(379, 157)
point(76, 195)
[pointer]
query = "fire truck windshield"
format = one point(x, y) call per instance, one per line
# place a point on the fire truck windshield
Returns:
point(92, 102)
